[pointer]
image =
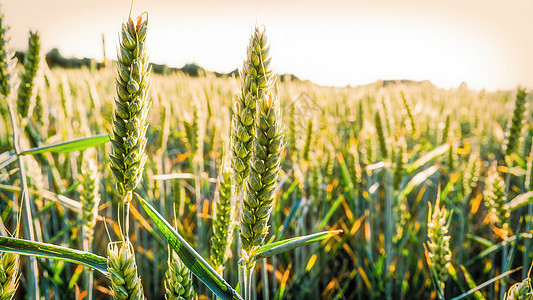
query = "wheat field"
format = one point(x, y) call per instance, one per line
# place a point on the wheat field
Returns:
point(123, 183)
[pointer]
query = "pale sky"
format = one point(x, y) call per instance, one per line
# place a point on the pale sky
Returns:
point(488, 44)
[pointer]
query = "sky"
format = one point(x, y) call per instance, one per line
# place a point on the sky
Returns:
point(487, 44)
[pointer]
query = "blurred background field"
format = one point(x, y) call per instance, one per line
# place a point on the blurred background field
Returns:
point(435, 140)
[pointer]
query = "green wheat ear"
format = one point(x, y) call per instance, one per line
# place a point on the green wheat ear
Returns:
point(223, 222)
point(512, 138)
point(178, 280)
point(495, 200)
point(5, 68)
point(27, 77)
point(256, 79)
point(88, 189)
point(265, 166)
point(9, 280)
point(439, 242)
point(125, 282)
point(520, 291)
point(131, 107)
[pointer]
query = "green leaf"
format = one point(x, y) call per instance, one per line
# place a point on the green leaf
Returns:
point(495, 248)
point(519, 201)
point(192, 260)
point(417, 179)
point(70, 146)
point(6, 158)
point(293, 243)
point(431, 155)
point(331, 211)
point(346, 178)
point(67, 202)
point(482, 241)
point(29, 248)
point(471, 283)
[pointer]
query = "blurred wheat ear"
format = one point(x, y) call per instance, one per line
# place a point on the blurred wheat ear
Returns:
point(9, 277)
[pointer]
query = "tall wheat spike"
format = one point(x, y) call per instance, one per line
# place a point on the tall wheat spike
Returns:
point(131, 107)
point(5, 70)
point(514, 128)
point(265, 165)
point(439, 242)
point(308, 137)
point(495, 200)
point(224, 213)
point(89, 194)
point(381, 135)
point(256, 77)
point(27, 77)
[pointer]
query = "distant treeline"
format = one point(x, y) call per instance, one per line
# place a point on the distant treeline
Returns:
point(54, 59)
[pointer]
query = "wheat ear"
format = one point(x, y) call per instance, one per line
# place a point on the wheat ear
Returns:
point(265, 166)
point(9, 279)
point(27, 77)
point(223, 221)
point(256, 78)
point(178, 280)
point(125, 282)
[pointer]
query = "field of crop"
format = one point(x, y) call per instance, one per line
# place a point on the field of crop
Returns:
point(397, 190)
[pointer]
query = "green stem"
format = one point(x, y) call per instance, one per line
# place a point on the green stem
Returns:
point(264, 276)
point(503, 288)
point(389, 229)
point(242, 278)
point(29, 233)
point(248, 283)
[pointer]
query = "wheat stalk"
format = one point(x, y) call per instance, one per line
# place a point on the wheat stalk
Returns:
point(381, 135)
